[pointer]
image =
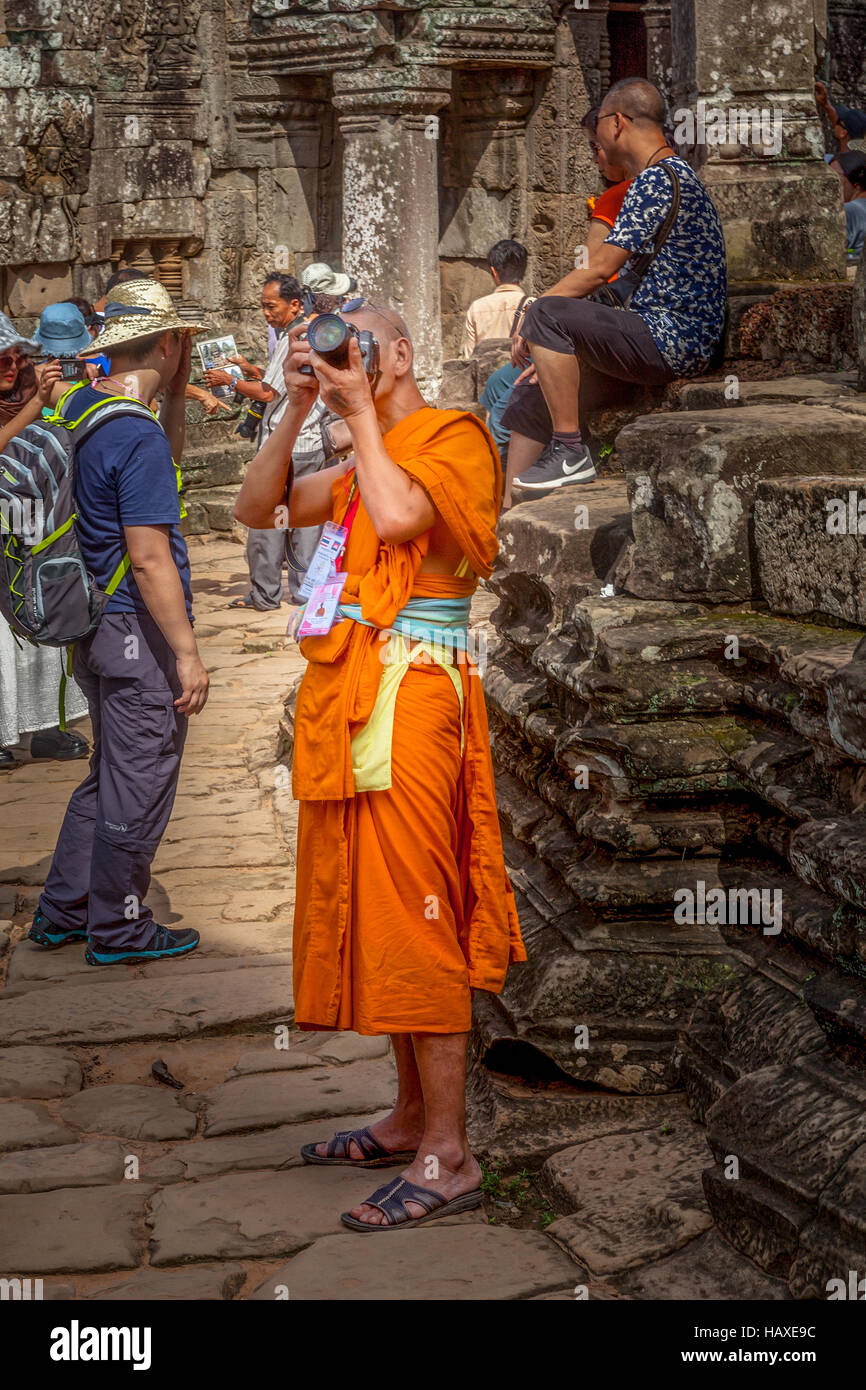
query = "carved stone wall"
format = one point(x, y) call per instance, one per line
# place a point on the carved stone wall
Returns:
point(251, 134)
point(665, 756)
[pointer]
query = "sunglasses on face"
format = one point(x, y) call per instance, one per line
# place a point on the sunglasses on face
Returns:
point(8, 360)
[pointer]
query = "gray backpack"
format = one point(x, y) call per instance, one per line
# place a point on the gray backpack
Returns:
point(46, 593)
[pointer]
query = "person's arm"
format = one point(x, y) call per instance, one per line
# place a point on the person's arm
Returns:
point(207, 399)
point(597, 235)
point(822, 99)
point(470, 335)
point(49, 389)
point(253, 390)
point(396, 505)
point(172, 415)
point(160, 586)
point(251, 372)
point(264, 487)
point(577, 284)
point(311, 502)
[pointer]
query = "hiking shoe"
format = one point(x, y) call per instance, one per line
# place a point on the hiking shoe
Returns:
point(557, 467)
point(163, 943)
point(45, 933)
point(57, 744)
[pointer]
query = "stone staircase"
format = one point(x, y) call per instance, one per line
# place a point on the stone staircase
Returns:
point(214, 463)
point(693, 739)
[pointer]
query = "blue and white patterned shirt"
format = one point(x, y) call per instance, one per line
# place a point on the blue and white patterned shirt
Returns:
point(682, 296)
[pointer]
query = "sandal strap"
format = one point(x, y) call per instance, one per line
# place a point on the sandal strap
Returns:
point(391, 1199)
point(338, 1147)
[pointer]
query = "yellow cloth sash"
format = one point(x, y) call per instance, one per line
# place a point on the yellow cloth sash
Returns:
point(371, 745)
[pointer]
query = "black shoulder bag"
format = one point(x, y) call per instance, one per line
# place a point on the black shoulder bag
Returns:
point(619, 293)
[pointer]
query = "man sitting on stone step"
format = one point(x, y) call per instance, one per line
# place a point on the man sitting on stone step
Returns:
point(587, 354)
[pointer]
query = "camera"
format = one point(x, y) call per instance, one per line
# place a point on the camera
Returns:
point(249, 425)
point(71, 369)
point(329, 336)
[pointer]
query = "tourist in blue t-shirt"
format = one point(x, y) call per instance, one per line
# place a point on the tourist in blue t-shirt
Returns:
point(140, 669)
point(587, 354)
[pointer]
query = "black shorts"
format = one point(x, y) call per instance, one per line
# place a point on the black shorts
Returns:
point(614, 347)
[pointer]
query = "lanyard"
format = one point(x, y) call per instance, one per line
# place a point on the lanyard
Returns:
point(349, 518)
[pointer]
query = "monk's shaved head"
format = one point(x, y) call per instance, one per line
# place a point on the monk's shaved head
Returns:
point(385, 324)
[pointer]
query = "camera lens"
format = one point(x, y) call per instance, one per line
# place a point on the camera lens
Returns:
point(326, 332)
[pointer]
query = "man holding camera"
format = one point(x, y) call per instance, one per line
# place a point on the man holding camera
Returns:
point(282, 299)
point(403, 903)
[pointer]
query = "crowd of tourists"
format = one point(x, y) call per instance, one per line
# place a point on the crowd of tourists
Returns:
point(386, 510)
point(655, 248)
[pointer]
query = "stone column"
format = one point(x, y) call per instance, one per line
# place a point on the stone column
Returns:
point(657, 20)
point(778, 201)
point(390, 127)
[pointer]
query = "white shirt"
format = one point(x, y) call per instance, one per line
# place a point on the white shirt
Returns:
point(274, 378)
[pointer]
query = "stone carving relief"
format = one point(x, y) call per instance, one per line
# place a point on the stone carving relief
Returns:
point(160, 37)
point(57, 160)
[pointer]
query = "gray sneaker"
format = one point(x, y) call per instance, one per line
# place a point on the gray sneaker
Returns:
point(557, 467)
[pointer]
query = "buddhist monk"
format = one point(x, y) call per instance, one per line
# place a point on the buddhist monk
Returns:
point(403, 902)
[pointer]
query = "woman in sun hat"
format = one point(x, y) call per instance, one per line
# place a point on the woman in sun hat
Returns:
point(18, 381)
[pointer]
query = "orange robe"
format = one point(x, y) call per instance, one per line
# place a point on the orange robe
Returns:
point(403, 904)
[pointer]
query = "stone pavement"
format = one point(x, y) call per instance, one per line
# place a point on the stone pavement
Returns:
point(114, 1186)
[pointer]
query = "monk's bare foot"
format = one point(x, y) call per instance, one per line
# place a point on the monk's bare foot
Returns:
point(458, 1172)
point(399, 1132)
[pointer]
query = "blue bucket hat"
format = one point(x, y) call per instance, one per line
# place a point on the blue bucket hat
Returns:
point(62, 331)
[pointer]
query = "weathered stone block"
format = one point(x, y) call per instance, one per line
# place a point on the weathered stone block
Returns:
point(77, 1228)
point(786, 390)
point(37, 285)
point(38, 1072)
point(692, 481)
point(810, 545)
point(446, 1262)
point(20, 65)
point(658, 1206)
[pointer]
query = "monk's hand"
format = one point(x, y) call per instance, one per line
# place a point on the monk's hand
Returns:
point(302, 388)
point(345, 390)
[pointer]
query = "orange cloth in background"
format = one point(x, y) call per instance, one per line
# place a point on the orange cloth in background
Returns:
point(403, 903)
point(605, 207)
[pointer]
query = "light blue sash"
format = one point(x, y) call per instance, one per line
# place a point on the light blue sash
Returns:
point(424, 619)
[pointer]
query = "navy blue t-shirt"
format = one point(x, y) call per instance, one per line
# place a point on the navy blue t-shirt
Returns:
point(124, 476)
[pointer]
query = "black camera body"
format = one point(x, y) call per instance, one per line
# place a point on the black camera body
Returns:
point(71, 369)
point(329, 336)
point(249, 425)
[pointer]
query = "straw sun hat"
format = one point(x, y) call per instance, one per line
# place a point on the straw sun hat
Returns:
point(135, 309)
